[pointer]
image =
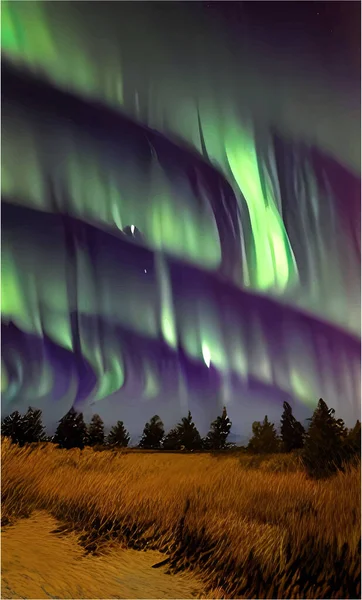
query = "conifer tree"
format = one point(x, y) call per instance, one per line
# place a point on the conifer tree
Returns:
point(324, 445)
point(33, 428)
point(95, 435)
point(153, 434)
point(220, 429)
point(13, 428)
point(189, 436)
point(71, 431)
point(118, 436)
point(292, 431)
point(353, 441)
point(264, 438)
point(172, 440)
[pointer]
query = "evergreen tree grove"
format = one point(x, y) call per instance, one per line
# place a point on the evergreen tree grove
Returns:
point(153, 434)
point(12, 427)
point(185, 435)
point(71, 431)
point(220, 429)
point(118, 436)
point(292, 432)
point(34, 430)
point(24, 429)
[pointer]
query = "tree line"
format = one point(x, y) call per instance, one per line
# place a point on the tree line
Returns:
point(72, 432)
point(325, 446)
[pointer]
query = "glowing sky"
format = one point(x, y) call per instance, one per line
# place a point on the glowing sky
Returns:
point(244, 284)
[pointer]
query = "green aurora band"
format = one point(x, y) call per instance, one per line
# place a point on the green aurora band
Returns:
point(106, 186)
point(117, 192)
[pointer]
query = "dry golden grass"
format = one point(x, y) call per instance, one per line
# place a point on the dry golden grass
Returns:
point(248, 533)
point(38, 563)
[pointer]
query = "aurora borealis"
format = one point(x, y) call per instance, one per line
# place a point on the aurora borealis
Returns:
point(242, 285)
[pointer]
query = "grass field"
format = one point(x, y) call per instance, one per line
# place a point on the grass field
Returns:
point(40, 563)
point(250, 529)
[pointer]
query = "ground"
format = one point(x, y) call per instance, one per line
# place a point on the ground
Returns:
point(248, 526)
point(37, 563)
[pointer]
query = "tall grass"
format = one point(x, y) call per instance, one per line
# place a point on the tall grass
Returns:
point(252, 533)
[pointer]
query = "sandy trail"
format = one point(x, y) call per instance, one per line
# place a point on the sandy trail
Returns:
point(39, 564)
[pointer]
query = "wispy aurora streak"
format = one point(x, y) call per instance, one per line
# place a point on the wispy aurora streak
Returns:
point(255, 214)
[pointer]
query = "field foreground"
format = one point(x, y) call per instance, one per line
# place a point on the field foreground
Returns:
point(37, 563)
point(252, 533)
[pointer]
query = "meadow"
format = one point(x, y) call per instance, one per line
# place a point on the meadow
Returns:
point(250, 527)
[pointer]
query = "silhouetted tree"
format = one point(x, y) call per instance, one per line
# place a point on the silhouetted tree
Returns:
point(95, 434)
point(292, 431)
point(352, 441)
point(34, 430)
point(71, 431)
point(323, 452)
point(118, 436)
point(172, 440)
point(217, 436)
point(188, 434)
point(153, 434)
point(12, 427)
point(264, 439)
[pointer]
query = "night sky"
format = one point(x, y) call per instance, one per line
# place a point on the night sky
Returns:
point(181, 209)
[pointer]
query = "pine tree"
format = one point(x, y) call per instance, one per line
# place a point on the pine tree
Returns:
point(324, 445)
point(153, 434)
point(95, 435)
point(12, 426)
point(189, 436)
point(34, 430)
point(71, 431)
point(118, 436)
point(353, 439)
point(264, 439)
point(220, 429)
point(351, 445)
point(292, 431)
point(172, 440)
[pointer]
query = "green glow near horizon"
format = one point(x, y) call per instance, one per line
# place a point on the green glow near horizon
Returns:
point(204, 333)
point(152, 386)
point(111, 380)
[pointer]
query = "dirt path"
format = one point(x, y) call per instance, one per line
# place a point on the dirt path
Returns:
point(39, 564)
